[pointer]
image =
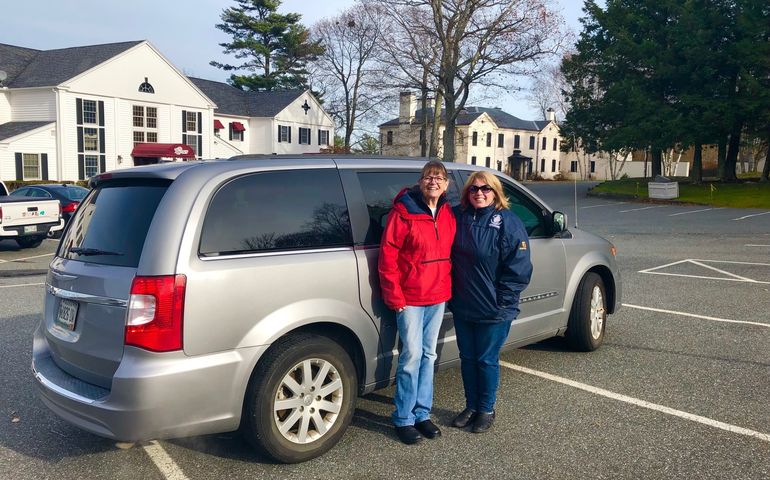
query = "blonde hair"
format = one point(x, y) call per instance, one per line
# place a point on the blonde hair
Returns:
point(500, 201)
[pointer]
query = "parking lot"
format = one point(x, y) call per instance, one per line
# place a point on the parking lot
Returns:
point(679, 389)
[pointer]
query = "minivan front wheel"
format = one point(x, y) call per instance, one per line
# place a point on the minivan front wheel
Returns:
point(301, 398)
point(588, 317)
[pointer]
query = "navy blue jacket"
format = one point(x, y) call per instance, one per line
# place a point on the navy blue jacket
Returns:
point(490, 264)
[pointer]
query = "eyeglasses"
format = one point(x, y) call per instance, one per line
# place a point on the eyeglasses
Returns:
point(484, 189)
point(433, 179)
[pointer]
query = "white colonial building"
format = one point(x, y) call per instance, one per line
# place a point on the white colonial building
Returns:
point(492, 138)
point(68, 114)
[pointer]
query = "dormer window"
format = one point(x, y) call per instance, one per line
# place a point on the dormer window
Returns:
point(145, 87)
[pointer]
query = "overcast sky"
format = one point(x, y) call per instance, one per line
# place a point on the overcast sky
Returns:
point(183, 31)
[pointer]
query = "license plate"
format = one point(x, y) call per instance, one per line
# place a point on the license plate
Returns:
point(30, 228)
point(67, 313)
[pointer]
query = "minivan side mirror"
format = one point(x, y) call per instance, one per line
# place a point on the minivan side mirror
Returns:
point(559, 220)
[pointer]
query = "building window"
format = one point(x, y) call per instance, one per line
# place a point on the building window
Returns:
point(593, 166)
point(91, 165)
point(499, 166)
point(152, 137)
point(323, 137)
point(489, 140)
point(31, 166)
point(573, 166)
point(90, 140)
point(192, 142)
point(475, 139)
point(488, 161)
point(553, 165)
point(284, 134)
point(145, 87)
point(89, 111)
point(500, 140)
point(191, 119)
point(237, 134)
point(138, 116)
point(542, 164)
point(473, 160)
point(460, 138)
point(138, 137)
point(516, 141)
point(389, 140)
point(555, 144)
point(544, 143)
point(145, 118)
point(304, 136)
point(532, 142)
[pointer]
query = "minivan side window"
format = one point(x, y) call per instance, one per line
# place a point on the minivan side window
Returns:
point(530, 213)
point(283, 210)
point(380, 188)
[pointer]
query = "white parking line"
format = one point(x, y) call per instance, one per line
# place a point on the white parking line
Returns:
point(643, 208)
point(703, 317)
point(164, 462)
point(605, 205)
point(22, 285)
point(734, 277)
point(753, 245)
point(26, 258)
point(640, 403)
point(749, 216)
point(693, 211)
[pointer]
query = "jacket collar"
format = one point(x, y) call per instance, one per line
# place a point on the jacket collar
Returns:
point(412, 201)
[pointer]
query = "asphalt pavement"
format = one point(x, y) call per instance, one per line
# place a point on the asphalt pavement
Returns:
point(678, 390)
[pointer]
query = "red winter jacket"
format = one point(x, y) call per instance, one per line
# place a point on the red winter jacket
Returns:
point(414, 264)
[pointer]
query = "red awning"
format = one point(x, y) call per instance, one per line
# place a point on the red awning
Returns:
point(218, 125)
point(238, 126)
point(173, 150)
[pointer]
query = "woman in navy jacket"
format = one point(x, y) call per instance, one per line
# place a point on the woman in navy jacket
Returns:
point(490, 269)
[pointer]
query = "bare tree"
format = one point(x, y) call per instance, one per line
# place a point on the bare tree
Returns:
point(548, 90)
point(348, 73)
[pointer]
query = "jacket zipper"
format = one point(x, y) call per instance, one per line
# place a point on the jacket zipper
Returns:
point(434, 261)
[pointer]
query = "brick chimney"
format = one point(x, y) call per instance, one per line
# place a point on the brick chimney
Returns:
point(406, 107)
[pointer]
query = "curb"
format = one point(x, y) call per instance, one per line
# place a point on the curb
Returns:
point(22, 273)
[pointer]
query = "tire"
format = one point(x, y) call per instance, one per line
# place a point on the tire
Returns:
point(317, 410)
point(31, 241)
point(588, 317)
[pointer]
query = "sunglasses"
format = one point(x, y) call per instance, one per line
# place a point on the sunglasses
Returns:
point(476, 188)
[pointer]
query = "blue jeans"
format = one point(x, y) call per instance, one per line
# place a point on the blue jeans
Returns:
point(418, 328)
point(480, 345)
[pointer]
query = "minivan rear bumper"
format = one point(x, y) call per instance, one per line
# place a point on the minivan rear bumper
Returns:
point(153, 395)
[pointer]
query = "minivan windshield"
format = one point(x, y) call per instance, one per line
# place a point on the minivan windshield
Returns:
point(111, 224)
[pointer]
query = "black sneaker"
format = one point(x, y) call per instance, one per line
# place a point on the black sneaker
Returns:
point(428, 429)
point(464, 418)
point(483, 422)
point(408, 434)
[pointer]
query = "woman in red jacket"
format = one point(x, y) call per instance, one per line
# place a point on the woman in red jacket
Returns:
point(415, 277)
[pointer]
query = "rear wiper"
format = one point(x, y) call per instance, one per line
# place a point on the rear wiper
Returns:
point(92, 251)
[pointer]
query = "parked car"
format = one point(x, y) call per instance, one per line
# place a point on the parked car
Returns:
point(200, 297)
point(69, 197)
point(28, 220)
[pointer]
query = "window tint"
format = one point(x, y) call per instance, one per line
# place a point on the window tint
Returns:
point(113, 220)
point(380, 188)
point(74, 193)
point(293, 209)
point(530, 213)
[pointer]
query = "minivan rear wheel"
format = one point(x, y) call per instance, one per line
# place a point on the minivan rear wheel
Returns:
point(588, 317)
point(301, 398)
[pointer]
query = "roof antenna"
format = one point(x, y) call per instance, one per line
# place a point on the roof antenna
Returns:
point(574, 178)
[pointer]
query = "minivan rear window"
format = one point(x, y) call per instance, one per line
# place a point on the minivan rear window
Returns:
point(111, 224)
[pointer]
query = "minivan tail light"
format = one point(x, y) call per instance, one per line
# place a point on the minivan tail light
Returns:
point(156, 313)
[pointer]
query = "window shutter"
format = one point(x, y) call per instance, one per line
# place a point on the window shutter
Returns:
point(80, 139)
point(319, 137)
point(79, 108)
point(81, 167)
point(102, 163)
point(200, 146)
point(279, 134)
point(184, 138)
point(230, 130)
point(200, 122)
point(184, 122)
point(289, 134)
point(44, 165)
point(101, 141)
point(101, 113)
point(19, 167)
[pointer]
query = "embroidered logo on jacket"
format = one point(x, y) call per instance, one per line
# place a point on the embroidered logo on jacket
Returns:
point(523, 245)
point(496, 221)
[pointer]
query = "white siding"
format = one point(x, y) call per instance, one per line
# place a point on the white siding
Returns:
point(5, 107)
point(295, 117)
point(42, 140)
point(33, 105)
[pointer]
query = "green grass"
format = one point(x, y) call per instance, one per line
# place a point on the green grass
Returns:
point(748, 194)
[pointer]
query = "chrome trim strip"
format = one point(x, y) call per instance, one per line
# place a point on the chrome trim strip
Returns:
point(60, 391)
point(542, 296)
point(84, 297)
point(275, 254)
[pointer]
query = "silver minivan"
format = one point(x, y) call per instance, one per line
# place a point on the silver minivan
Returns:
point(201, 297)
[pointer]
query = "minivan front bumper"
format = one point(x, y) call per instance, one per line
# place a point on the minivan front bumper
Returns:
point(153, 395)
